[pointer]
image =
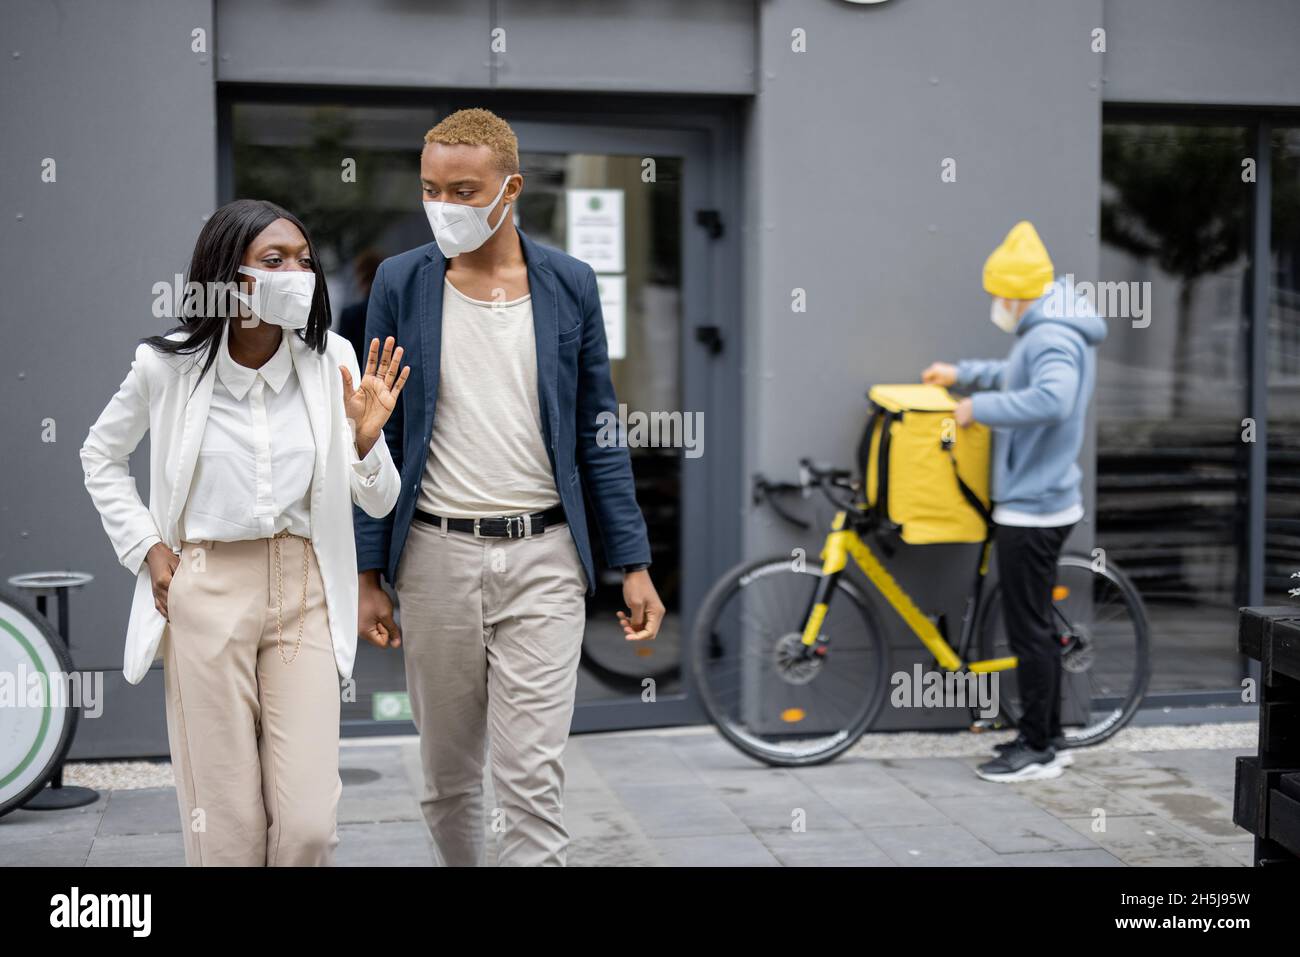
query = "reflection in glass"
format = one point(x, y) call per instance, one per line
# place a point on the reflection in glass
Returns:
point(1282, 539)
point(1170, 399)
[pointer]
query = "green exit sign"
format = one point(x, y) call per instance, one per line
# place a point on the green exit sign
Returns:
point(390, 706)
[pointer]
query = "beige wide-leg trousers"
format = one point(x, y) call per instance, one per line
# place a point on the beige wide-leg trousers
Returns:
point(492, 632)
point(252, 714)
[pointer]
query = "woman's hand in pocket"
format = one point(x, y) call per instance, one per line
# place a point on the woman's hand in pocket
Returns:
point(162, 562)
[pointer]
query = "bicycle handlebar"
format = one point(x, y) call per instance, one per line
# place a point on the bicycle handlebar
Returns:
point(812, 475)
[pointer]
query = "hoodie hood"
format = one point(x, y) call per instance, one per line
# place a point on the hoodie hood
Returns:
point(1061, 304)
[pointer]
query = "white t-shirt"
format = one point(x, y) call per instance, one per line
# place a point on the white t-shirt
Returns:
point(486, 454)
point(1009, 516)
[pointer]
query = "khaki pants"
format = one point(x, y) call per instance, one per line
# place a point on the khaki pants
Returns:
point(492, 632)
point(254, 740)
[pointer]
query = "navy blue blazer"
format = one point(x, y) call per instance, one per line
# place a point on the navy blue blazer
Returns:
point(573, 387)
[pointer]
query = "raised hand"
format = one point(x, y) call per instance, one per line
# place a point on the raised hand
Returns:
point(369, 404)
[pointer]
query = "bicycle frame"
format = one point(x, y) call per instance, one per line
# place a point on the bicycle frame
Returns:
point(844, 542)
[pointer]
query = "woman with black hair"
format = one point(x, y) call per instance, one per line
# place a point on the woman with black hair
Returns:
point(263, 433)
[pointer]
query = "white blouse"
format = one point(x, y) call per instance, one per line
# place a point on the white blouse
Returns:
point(253, 474)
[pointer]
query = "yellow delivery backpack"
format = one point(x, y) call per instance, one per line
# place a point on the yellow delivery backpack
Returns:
point(923, 476)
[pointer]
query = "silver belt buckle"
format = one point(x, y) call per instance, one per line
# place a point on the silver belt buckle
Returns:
point(527, 522)
point(477, 534)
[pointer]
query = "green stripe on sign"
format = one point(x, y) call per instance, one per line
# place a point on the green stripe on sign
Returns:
point(45, 712)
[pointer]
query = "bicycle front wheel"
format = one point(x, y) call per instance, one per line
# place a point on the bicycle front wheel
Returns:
point(1101, 625)
point(768, 696)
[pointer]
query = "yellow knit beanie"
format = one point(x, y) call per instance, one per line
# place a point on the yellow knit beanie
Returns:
point(1020, 268)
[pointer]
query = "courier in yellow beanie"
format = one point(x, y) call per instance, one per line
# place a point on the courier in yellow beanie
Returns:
point(1020, 268)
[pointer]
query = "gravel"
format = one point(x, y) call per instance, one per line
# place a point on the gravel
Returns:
point(1239, 736)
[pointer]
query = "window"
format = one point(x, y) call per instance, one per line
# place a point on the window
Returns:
point(1172, 466)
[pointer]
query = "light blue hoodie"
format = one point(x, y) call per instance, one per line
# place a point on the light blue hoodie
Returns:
point(1036, 401)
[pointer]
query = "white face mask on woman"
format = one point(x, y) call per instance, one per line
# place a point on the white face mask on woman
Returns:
point(282, 298)
point(1003, 316)
point(458, 228)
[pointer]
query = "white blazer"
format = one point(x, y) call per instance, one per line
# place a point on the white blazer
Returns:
point(165, 396)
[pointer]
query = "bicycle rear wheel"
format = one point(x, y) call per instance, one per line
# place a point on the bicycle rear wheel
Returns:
point(1102, 627)
point(766, 697)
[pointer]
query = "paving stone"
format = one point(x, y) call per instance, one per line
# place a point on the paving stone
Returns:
point(24, 824)
point(1242, 852)
point(706, 755)
point(1124, 771)
point(1073, 795)
point(142, 811)
point(824, 848)
point(1096, 857)
point(612, 852)
point(65, 849)
point(945, 845)
point(717, 850)
point(165, 849)
point(639, 761)
point(866, 794)
point(1205, 815)
point(598, 814)
point(1010, 824)
point(390, 844)
point(1209, 771)
point(386, 797)
point(777, 806)
point(939, 777)
point(1148, 841)
point(667, 811)
point(579, 771)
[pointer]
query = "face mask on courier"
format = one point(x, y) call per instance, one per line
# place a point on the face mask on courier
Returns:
point(282, 298)
point(458, 228)
point(1003, 317)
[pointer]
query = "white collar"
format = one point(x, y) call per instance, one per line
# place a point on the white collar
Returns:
point(238, 379)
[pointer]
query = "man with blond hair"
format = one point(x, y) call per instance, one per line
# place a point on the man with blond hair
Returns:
point(487, 548)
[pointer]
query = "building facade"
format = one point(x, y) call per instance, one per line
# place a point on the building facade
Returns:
point(802, 194)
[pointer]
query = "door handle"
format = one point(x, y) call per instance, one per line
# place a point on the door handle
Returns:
point(710, 337)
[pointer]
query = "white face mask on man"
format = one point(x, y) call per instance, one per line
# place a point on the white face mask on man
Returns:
point(1003, 315)
point(459, 228)
point(282, 298)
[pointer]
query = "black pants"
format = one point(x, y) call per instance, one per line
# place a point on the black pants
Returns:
point(1027, 569)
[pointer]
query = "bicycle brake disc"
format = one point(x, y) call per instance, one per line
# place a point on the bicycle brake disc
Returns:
point(1076, 653)
point(793, 663)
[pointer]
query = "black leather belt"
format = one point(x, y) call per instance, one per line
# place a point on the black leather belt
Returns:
point(507, 526)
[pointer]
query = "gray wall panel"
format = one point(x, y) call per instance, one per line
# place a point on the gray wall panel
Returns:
point(684, 47)
point(670, 46)
point(1203, 52)
point(848, 139)
point(337, 42)
point(112, 93)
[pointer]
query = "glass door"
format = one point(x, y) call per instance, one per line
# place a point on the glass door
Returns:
point(622, 200)
point(633, 202)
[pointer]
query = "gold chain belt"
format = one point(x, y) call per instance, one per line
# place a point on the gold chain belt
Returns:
point(279, 583)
